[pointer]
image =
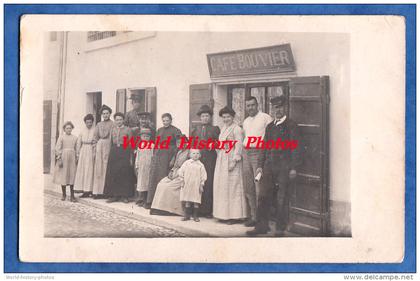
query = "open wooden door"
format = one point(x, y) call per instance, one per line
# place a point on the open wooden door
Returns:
point(151, 104)
point(200, 94)
point(309, 202)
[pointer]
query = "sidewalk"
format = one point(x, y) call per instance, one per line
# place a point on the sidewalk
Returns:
point(205, 228)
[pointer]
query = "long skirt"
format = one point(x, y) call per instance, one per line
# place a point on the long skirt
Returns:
point(228, 190)
point(101, 161)
point(159, 170)
point(65, 175)
point(84, 172)
point(209, 160)
point(119, 180)
point(167, 196)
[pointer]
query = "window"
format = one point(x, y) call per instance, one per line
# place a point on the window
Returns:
point(147, 97)
point(262, 92)
point(99, 35)
point(121, 101)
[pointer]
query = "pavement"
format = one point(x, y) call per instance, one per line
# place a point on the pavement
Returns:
point(205, 228)
point(65, 219)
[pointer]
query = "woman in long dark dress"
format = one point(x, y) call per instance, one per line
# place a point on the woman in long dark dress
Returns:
point(206, 131)
point(119, 179)
point(162, 157)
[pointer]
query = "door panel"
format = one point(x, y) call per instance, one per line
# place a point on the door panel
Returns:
point(47, 135)
point(200, 94)
point(311, 162)
point(309, 202)
point(306, 112)
point(151, 104)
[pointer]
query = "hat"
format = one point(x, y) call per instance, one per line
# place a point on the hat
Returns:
point(279, 100)
point(135, 96)
point(227, 110)
point(144, 113)
point(205, 109)
point(105, 107)
point(145, 131)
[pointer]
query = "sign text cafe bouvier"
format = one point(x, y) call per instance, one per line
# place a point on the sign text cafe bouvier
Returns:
point(272, 59)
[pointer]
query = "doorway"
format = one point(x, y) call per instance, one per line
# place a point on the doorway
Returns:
point(308, 106)
point(94, 104)
point(263, 92)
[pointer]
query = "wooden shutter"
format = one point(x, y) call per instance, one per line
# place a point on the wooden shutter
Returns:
point(309, 202)
point(47, 135)
point(200, 94)
point(151, 103)
point(121, 99)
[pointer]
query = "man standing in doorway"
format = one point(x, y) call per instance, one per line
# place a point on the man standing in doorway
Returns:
point(278, 169)
point(254, 126)
point(132, 118)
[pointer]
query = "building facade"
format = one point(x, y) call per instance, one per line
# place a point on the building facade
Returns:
point(177, 72)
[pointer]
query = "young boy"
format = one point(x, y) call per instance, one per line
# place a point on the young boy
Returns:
point(143, 166)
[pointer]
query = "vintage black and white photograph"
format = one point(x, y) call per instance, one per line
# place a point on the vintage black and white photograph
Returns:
point(213, 139)
point(230, 104)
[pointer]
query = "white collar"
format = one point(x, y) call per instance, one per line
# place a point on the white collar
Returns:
point(280, 121)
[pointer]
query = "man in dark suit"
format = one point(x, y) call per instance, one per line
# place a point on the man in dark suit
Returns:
point(278, 170)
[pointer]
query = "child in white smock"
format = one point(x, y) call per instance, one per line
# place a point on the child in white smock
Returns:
point(193, 174)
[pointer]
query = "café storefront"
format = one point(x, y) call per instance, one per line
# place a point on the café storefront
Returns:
point(264, 73)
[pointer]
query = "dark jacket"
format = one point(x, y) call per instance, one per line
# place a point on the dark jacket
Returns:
point(281, 161)
point(205, 132)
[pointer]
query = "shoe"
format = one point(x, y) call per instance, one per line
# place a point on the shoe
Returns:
point(72, 199)
point(250, 223)
point(209, 216)
point(256, 232)
point(139, 202)
point(125, 200)
point(112, 200)
point(63, 198)
point(230, 222)
point(187, 214)
point(195, 215)
point(147, 206)
point(95, 197)
point(84, 195)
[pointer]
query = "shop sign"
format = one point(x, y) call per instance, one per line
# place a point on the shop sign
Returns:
point(273, 59)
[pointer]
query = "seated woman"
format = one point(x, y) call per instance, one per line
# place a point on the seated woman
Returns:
point(168, 190)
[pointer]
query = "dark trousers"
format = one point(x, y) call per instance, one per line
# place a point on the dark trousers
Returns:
point(273, 184)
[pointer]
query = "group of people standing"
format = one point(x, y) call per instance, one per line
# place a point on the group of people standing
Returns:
point(234, 187)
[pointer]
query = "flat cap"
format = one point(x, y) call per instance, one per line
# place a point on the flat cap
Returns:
point(279, 100)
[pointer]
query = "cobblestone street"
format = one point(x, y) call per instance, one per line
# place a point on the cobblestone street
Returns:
point(66, 219)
